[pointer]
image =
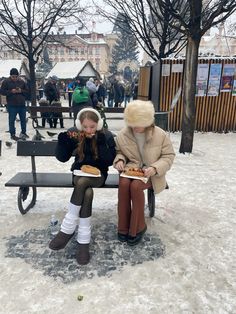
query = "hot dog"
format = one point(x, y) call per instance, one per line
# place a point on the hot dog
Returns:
point(90, 169)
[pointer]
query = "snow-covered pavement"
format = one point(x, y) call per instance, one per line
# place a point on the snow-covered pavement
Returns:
point(186, 263)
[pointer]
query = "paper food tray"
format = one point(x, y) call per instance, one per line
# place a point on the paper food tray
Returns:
point(145, 180)
point(84, 174)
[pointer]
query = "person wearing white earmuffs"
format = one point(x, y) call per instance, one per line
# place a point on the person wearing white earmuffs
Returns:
point(92, 146)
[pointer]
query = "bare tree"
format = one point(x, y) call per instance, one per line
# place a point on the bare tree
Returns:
point(199, 16)
point(189, 19)
point(153, 34)
point(25, 26)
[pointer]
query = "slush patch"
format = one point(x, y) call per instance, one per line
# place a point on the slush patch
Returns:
point(107, 253)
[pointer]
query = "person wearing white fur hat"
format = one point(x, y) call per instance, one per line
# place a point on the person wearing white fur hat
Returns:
point(139, 145)
point(93, 146)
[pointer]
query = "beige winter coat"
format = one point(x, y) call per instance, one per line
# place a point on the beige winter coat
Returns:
point(158, 153)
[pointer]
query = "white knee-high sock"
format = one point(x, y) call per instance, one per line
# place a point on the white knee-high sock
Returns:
point(84, 230)
point(70, 221)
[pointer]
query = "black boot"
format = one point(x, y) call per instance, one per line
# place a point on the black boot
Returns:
point(82, 255)
point(135, 240)
point(60, 241)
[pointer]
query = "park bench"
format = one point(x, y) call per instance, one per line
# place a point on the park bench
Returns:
point(33, 179)
point(35, 112)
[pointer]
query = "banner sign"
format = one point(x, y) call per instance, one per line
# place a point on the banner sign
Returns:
point(214, 79)
point(202, 77)
point(227, 78)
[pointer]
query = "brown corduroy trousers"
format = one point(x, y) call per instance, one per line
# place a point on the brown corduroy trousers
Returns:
point(131, 202)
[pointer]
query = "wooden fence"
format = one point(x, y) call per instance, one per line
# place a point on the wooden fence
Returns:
point(213, 113)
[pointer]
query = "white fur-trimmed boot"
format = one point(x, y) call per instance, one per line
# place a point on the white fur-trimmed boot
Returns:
point(83, 239)
point(67, 231)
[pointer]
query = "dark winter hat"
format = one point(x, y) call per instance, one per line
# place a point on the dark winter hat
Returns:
point(54, 78)
point(14, 71)
point(81, 80)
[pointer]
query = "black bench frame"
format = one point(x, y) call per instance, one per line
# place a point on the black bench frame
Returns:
point(34, 179)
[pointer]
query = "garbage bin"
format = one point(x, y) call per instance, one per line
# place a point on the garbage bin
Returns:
point(161, 120)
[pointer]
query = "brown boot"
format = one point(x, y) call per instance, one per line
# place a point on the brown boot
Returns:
point(60, 241)
point(82, 255)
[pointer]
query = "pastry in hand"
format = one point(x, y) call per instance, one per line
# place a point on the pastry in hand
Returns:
point(90, 169)
point(134, 172)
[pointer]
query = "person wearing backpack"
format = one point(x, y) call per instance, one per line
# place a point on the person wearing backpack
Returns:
point(80, 97)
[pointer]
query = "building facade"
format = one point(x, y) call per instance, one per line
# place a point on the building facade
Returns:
point(79, 47)
point(94, 47)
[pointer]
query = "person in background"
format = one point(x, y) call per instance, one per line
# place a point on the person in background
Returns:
point(69, 90)
point(52, 94)
point(117, 93)
point(92, 88)
point(122, 89)
point(101, 91)
point(135, 89)
point(15, 89)
point(94, 146)
point(40, 88)
point(80, 97)
point(110, 92)
point(140, 145)
point(127, 92)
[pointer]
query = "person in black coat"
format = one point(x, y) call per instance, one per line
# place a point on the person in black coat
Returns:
point(117, 93)
point(92, 146)
point(52, 94)
point(101, 91)
point(16, 90)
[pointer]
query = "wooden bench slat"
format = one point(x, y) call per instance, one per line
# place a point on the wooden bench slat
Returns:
point(56, 180)
point(34, 109)
point(36, 148)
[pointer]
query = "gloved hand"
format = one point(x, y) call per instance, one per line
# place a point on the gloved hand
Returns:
point(64, 139)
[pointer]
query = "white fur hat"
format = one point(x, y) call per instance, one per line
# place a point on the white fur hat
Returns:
point(78, 123)
point(139, 113)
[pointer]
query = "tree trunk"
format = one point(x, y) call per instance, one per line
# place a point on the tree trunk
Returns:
point(189, 89)
point(32, 81)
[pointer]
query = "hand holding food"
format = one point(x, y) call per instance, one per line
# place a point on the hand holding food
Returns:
point(119, 165)
point(149, 172)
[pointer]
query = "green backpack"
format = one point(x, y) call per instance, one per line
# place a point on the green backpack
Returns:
point(80, 94)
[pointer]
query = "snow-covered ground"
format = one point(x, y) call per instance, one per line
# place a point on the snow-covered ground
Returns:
point(194, 230)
